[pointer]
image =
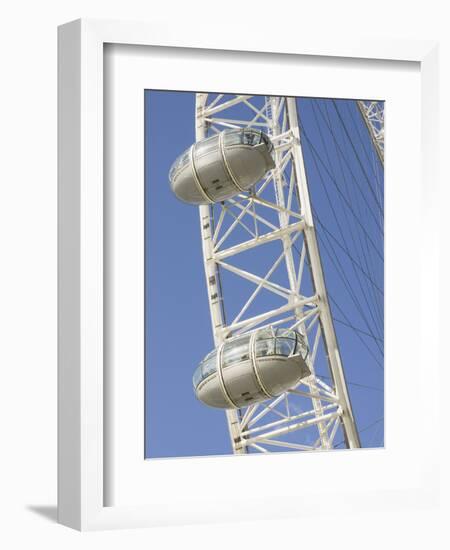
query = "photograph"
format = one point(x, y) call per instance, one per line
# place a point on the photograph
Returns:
point(224, 293)
point(264, 274)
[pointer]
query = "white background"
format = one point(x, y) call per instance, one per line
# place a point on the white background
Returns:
point(28, 271)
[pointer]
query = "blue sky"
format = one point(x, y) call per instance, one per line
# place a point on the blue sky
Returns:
point(346, 186)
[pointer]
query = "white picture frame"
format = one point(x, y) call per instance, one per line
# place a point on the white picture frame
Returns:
point(82, 484)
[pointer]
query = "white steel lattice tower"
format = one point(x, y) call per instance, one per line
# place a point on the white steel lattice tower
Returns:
point(275, 221)
point(373, 115)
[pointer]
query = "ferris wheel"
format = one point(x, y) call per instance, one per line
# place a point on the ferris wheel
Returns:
point(273, 328)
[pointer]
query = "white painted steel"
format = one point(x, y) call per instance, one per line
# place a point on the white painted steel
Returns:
point(278, 118)
point(372, 113)
point(211, 272)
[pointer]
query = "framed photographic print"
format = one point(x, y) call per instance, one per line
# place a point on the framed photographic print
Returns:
point(275, 364)
point(236, 324)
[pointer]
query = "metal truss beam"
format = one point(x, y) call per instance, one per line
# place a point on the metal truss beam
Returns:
point(277, 210)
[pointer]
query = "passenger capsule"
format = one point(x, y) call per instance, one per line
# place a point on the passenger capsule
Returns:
point(251, 368)
point(218, 167)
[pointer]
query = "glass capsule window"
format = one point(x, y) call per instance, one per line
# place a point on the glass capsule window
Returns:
point(265, 333)
point(209, 364)
point(207, 367)
point(279, 341)
point(285, 346)
point(179, 163)
point(236, 351)
point(251, 137)
point(232, 137)
point(246, 137)
point(206, 146)
point(267, 141)
point(174, 168)
point(265, 342)
point(263, 348)
point(197, 377)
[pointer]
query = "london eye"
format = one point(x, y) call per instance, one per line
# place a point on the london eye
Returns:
point(276, 367)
